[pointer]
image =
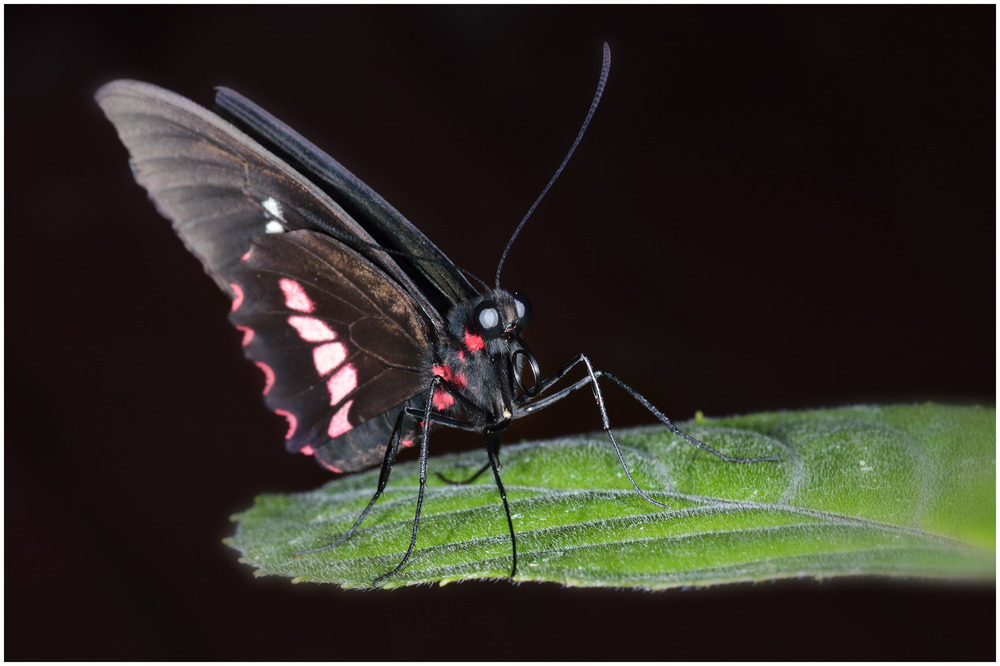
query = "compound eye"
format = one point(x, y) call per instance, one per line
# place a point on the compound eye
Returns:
point(523, 307)
point(486, 320)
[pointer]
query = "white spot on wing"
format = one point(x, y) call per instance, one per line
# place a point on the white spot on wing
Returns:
point(274, 227)
point(273, 207)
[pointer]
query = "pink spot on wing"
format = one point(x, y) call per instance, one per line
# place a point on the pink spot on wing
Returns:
point(292, 422)
point(339, 423)
point(342, 383)
point(237, 296)
point(311, 329)
point(268, 375)
point(307, 450)
point(406, 442)
point(295, 296)
point(442, 400)
point(245, 256)
point(329, 356)
point(247, 334)
point(330, 467)
point(473, 342)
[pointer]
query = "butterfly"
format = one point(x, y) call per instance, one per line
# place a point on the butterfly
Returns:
point(366, 333)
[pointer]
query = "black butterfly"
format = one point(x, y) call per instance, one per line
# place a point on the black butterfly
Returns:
point(364, 330)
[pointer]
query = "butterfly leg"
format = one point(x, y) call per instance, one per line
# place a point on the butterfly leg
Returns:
point(492, 439)
point(476, 474)
point(495, 447)
point(674, 429)
point(463, 482)
point(591, 380)
point(537, 405)
point(383, 478)
point(453, 423)
point(424, 435)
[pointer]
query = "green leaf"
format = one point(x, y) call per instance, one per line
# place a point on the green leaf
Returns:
point(897, 491)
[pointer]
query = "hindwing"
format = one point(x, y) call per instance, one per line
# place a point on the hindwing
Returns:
point(338, 344)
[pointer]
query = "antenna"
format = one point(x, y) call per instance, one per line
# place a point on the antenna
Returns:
point(605, 67)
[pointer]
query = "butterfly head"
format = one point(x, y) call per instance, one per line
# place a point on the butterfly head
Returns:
point(499, 315)
point(485, 339)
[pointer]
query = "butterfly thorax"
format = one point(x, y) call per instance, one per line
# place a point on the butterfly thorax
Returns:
point(481, 357)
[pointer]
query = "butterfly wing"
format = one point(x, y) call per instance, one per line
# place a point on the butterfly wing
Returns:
point(437, 278)
point(220, 188)
point(342, 348)
point(223, 192)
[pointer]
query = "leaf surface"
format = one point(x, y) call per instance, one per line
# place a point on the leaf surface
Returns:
point(898, 491)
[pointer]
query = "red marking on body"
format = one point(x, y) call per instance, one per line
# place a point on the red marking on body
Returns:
point(442, 400)
point(406, 442)
point(339, 423)
point(295, 296)
point(268, 375)
point(327, 357)
point(342, 383)
point(292, 423)
point(237, 296)
point(461, 356)
point(473, 342)
point(311, 329)
point(308, 450)
point(457, 379)
point(247, 334)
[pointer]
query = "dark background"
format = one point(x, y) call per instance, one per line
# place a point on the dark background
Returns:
point(774, 208)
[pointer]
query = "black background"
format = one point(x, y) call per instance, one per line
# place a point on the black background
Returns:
point(774, 208)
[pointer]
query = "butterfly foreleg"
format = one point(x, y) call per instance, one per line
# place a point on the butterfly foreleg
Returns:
point(533, 405)
point(674, 429)
point(589, 380)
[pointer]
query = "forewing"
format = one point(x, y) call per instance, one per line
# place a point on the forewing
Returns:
point(342, 348)
point(219, 187)
point(435, 275)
